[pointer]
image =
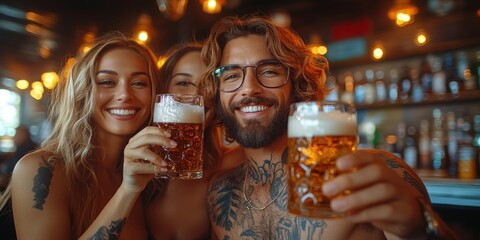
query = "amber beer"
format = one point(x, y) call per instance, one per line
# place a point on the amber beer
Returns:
point(318, 133)
point(182, 116)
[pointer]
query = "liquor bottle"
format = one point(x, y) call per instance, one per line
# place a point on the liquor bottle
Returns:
point(401, 135)
point(439, 77)
point(454, 82)
point(452, 145)
point(348, 92)
point(467, 165)
point(369, 87)
point(437, 143)
point(405, 84)
point(410, 153)
point(426, 76)
point(417, 89)
point(476, 138)
point(333, 87)
point(359, 87)
point(475, 69)
point(424, 145)
point(469, 79)
point(393, 90)
point(380, 88)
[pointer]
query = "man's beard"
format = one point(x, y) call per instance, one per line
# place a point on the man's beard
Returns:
point(254, 135)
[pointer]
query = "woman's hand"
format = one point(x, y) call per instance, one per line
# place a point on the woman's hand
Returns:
point(139, 159)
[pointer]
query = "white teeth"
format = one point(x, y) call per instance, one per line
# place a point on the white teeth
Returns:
point(251, 109)
point(122, 112)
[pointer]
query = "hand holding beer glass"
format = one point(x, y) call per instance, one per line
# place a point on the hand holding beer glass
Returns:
point(318, 133)
point(183, 116)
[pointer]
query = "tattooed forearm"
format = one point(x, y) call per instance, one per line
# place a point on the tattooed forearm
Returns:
point(41, 184)
point(408, 177)
point(110, 233)
point(396, 164)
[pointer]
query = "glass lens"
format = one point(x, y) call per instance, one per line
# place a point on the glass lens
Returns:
point(230, 77)
point(272, 74)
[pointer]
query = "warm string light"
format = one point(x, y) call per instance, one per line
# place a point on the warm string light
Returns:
point(317, 46)
point(377, 53)
point(212, 6)
point(421, 38)
point(403, 12)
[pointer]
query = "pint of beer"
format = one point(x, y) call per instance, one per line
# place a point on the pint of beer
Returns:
point(318, 133)
point(183, 116)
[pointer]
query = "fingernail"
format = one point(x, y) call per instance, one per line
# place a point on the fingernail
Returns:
point(173, 144)
point(341, 163)
point(164, 164)
point(329, 188)
point(339, 204)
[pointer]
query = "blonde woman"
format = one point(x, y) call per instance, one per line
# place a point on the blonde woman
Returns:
point(86, 179)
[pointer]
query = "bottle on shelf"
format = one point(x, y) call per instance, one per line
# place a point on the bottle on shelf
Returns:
point(369, 87)
point(454, 82)
point(469, 79)
point(467, 164)
point(475, 68)
point(426, 76)
point(452, 142)
point(401, 138)
point(410, 153)
point(359, 83)
point(476, 137)
point(439, 163)
point(424, 145)
point(347, 94)
point(405, 84)
point(380, 88)
point(439, 83)
point(463, 70)
point(333, 86)
point(417, 89)
point(393, 90)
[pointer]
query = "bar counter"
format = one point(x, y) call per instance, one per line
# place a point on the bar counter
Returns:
point(453, 191)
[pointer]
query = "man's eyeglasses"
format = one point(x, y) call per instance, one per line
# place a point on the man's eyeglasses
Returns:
point(270, 74)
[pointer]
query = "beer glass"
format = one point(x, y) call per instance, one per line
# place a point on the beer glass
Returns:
point(183, 116)
point(318, 133)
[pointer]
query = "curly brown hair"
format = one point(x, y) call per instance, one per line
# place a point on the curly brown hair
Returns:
point(307, 71)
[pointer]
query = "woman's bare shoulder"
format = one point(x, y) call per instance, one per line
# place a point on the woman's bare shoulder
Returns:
point(34, 159)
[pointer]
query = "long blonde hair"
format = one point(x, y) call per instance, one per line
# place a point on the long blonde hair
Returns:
point(71, 142)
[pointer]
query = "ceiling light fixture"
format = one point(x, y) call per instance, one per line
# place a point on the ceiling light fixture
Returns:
point(402, 12)
point(212, 6)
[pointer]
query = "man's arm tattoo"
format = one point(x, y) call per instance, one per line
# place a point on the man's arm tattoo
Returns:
point(110, 233)
point(41, 184)
point(407, 176)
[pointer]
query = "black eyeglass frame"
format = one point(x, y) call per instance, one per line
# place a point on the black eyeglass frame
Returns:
point(255, 71)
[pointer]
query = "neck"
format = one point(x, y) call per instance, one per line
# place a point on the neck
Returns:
point(110, 150)
point(272, 151)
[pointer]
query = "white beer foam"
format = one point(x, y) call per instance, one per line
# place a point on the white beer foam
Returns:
point(322, 124)
point(176, 112)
